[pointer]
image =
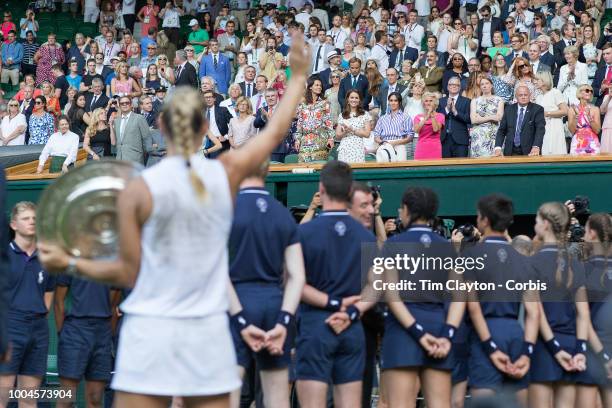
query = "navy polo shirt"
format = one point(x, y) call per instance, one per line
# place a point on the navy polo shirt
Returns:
point(598, 271)
point(502, 264)
point(27, 282)
point(332, 253)
point(261, 231)
point(424, 243)
point(88, 299)
point(559, 299)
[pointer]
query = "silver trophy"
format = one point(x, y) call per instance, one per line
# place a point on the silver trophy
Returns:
point(79, 210)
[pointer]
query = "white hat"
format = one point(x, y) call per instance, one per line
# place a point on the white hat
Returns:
point(332, 54)
point(193, 22)
point(386, 153)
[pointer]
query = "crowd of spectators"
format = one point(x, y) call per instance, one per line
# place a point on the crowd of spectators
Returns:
point(390, 82)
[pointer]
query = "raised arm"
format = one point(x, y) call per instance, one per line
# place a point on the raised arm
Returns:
point(240, 162)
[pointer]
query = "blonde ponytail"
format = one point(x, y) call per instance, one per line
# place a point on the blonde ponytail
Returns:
point(183, 119)
point(559, 218)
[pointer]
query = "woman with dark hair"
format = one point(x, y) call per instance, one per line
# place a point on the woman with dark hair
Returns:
point(151, 79)
point(499, 70)
point(457, 67)
point(375, 81)
point(539, 26)
point(314, 134)
point(353, 126)
point(41, 123)
point(76, 113)
point(395, 127)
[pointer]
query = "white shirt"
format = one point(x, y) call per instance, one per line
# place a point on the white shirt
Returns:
point(61, 145)
point(303, 18)
point(423, 7)
point(212, 123)
point(523, 25)
point(8, 126)
point(414, 34)
point(443, 40)
point(486, 34)
point(339, 35)
point(258, 101)
point(171, 19)
point(379, 54)
point(124, 120)
point(183, 231)
point(128, 6)
point(227, 104)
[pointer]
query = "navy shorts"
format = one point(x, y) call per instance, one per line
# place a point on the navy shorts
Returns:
point(85, 349)
point(544, 367)
point(261, 304)
point(324, 356)
point(400, 350)
point(461, 353)
point(509, 337)
point(28, 336)
point(596, 373)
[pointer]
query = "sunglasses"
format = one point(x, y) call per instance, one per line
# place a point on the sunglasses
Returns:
point(188, 50)
point(458, 23)
point(38, 103)
point(124, 103)
point(14, 105)
point(151, 48)
point(587, 90)
point(509, 22)
point(521, 66)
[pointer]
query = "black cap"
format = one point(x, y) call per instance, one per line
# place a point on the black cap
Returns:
point(161, 89)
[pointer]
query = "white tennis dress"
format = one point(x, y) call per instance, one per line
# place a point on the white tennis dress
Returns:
point(175, 339)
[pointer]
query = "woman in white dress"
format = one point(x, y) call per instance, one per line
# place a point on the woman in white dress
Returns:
point(413, 107)
point(589, 49)
point(353, 127)
point(572, 75)
point(165, 216)
point(555, 109)
point(240, 128)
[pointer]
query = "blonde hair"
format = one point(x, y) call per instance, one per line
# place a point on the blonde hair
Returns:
point(546, 79)
point(120, 65)
point(93, 124)
point(434, 96)
point(242, 99)
point(582, 88)
point(183, 120)
point(21, 207)
point(559, 218)
point(571, 49)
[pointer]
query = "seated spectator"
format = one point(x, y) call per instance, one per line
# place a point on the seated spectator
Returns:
point(241, 128)
point(97, 140)
point(52, 101)
point(584, 122)
point(41, 124)
point(28, 23)
point(13, 127)
point(62, 147)
point(429, 127)
point(76, 115)
point(12, 56)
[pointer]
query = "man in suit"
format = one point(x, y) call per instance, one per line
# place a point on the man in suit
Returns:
point(281, 47)
point(229, 43)
point(568, 31)
point(217, 66)
point(401, 52)
point(455, 136)
point(534, 59)
point(522, 127)
point(387, 88)
point(603, 75)
point(148, 111)
point(431, 72)
point(516, 42)
point(248, 85)
point(320, 53)
point(354, 80)
point(96, 99)
point(546, 57)
point(185, 73)
point(432, 45)
point(132, 133)
point(333, 59)
point(487, 25)
point(263, 115)
point(218, 120)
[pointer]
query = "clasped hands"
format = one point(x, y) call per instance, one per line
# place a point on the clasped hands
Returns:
point(273, 340)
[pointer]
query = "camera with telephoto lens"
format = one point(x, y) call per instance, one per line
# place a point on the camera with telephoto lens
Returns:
point(468, 231)
point(581, 206)
point(576, 233)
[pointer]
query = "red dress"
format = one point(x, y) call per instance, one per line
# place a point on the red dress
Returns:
point(428, 145)
point(48, 57)
point(149, 15)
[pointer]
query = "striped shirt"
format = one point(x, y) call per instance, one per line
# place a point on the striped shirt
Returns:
point(28, 52)
point(394, 126)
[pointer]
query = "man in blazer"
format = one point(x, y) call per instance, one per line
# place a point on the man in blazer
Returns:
point(333, 59)
point(389, 87)
point(401, 52)
point(568, 38)
point(546, 57)
point(522, 127)
point(516, 42)
point(96, 98)
point(354, 80)
point(248, 85)
point(185, 73)
point(218, 121)
point(455, 136)
point(217, 66)
point(535, 61)
point(320, 52)
point(431, 73)
point(261, 120)
point(604, 71)
point(488, 24)
point(132, 133)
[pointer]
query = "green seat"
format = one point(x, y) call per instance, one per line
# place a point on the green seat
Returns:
point(88, 29)
point(291, 158)
point(370, 157)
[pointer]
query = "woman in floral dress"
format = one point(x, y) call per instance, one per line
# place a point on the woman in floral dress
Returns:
point(486, 112)
point(41, 124)
point(48, 55)
point(314, 133)
point(584, 122)
point(353, 126)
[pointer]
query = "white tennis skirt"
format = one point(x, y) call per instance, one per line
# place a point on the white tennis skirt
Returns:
point(176, 356)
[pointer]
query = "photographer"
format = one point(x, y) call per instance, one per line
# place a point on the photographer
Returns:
point(271, 60)
point(28, 23)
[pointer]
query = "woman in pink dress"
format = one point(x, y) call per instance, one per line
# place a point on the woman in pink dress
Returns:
point(584, 121)
point(606, 131)
point(49, 54)
point(148, 17)
point(429, 127)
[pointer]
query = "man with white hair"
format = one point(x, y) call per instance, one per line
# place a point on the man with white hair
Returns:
point(546, 57)
point(521, 130)
point(208, 83)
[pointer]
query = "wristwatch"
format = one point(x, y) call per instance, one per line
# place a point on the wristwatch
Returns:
point(72, 266)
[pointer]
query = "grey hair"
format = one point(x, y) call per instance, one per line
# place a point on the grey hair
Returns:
point(212, 80)
point(97, 81)
point(182, 55)
point(522, 86)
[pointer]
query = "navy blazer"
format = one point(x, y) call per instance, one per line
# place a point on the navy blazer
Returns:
point(284, 147)
point(496, 25)
point(361, 86)
point(324, 77)
point(382, 96)
point(410, 53)
point(532, 133)
point(510, 57)
point(600, 75)
point(456, 126)
point(548, 59)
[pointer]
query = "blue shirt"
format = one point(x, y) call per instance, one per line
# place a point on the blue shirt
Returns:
point(88, 299)
point(74, 82)
point(143, 45)
point(558, 300)
point(27, 282)
point(598, 277)
point(14, 51)
point(262, 229)
point(502, 263)
point(332, 253)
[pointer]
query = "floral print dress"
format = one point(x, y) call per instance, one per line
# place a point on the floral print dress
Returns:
point(482, 136)
point(41, 128)
point(49, 56)
point(314, 129)
point(352, 148)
